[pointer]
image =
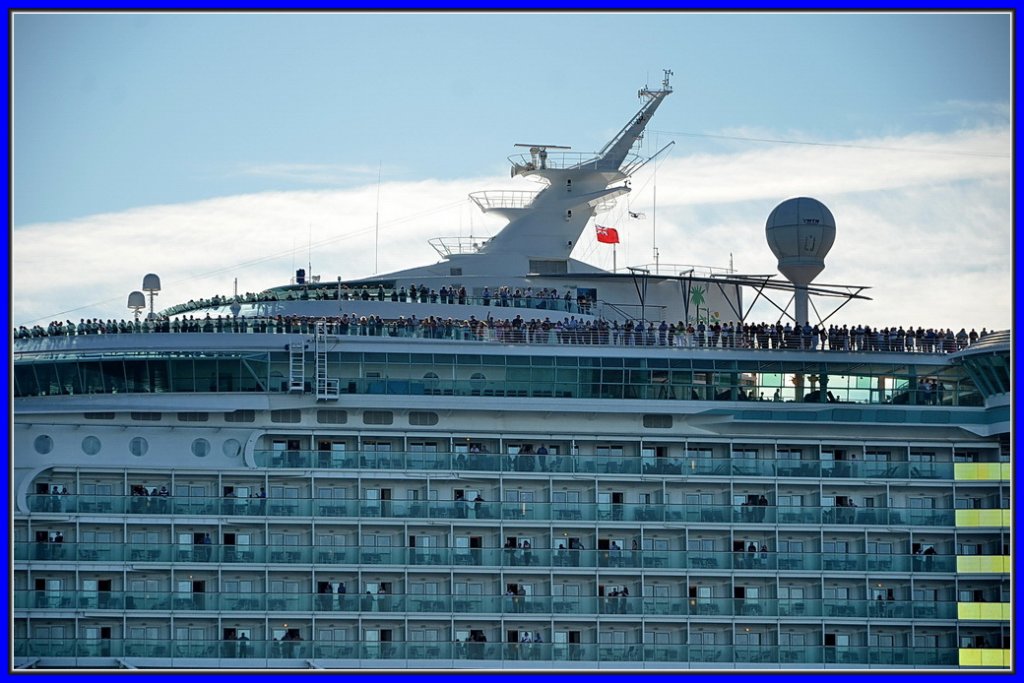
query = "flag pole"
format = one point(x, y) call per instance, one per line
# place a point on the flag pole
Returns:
point(614, 267)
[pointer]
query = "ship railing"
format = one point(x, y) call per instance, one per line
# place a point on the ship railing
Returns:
point(587, 464)
point(398, 325)
point(503, 199)
point(62, 650)
point(452, 246)
point(525, 164)
point(501, 311)
point(419, 603)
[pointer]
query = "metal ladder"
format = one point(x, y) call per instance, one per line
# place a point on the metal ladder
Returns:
point(326, 389)
point(296, 367)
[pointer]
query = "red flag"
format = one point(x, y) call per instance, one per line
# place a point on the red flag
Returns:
point(607, 235)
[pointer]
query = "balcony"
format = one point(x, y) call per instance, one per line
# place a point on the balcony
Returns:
point(594, 464)
point(487, 605)
point(353, 509)
point(165, 652)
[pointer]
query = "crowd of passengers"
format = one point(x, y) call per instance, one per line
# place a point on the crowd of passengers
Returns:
point(569, 330)
point(504, 296)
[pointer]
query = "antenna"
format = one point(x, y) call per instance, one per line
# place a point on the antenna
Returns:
point(376, 223)
point(654, 220)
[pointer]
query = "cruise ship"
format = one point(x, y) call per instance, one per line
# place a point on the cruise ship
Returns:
point(511, 459)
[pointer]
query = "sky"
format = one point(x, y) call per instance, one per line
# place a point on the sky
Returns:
point(215, 148)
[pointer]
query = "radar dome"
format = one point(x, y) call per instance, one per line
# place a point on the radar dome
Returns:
point(151, 283)
point(136, 300)
point(800, 231)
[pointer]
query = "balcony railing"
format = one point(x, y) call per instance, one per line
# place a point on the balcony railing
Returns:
point(355, 509)
point(480, 557)
point(477, 604)
point(595, 464)
point(268, 649)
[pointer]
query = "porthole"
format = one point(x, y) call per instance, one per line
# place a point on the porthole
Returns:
point(43, 444)
point(232, 448)
point(138, 446)
point(200, 448)
point(91, 445)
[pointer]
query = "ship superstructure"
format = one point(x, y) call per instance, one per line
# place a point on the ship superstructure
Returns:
point(510, 459)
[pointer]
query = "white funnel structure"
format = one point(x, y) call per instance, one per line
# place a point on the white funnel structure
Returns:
point(800, 232)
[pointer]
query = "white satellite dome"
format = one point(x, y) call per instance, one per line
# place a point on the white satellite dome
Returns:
point(800, 232)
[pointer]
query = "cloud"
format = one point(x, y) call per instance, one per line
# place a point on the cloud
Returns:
point(924, 220)
point(312, 174)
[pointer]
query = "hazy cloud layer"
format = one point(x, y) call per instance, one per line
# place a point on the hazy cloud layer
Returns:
point(925, 220)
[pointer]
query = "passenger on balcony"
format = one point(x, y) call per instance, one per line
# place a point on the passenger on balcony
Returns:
point(341, 595)
point(615, 554)
point(527, 553)
point(511, 553)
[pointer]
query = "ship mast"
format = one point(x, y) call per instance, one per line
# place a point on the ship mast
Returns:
point(545, 226)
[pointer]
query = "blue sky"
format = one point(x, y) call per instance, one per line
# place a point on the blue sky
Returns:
point(148, 134)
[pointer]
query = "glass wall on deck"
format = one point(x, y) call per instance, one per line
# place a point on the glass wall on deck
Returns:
point(606, 377)
point(180, 373)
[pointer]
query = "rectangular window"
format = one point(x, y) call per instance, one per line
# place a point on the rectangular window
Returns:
point(658, 421)
point(146, 417)
point(378, 417)
point(835, 547)
point(286, 416)
point(240, 416)
point(98, 416)
point(332, 417)
point(701, 499)
point(193, 417)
